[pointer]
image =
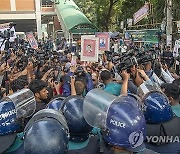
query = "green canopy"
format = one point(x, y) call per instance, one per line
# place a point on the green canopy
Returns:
point(73, 19)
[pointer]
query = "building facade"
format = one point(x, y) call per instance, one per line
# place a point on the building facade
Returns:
point(29, 15)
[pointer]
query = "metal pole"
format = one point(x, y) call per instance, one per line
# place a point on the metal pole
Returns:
point(169, 24)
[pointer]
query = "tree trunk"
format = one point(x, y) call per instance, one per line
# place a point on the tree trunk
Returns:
point(112, 2)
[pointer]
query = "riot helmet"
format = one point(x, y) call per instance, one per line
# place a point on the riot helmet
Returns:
point(55, 103)
point(120, 119)
point(73, 112)
point(8, 125)
point(156, 106)
point(13, 109)
point(46, 132)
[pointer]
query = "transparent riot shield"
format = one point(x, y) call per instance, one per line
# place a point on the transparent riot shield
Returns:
point(146, 88)
point(95, 108)
point(24, 102)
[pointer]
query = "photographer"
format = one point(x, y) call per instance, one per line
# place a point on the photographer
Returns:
point(177, 56)
point(168, 57)
point(80, 74)
point(78, 86)
point(150, 63)
point(110, 86)
point(117, 63)
point(139, 76)
point(153, 73)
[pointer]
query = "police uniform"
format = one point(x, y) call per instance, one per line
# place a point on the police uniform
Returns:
point(17, 147)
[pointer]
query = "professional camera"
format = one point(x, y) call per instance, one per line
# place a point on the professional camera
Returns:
point(147, 56)
point(125, 62)
point(112, 56)
point(79, 71)
point(7, 33)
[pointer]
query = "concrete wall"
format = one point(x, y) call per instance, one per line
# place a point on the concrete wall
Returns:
point(21, 11)
point(5, 5)
point(25, 5)
point(17, 5)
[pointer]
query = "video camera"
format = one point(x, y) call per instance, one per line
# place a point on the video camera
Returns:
point(146, 56)
point(79, 71)
point(125, 62)
point(6, 34)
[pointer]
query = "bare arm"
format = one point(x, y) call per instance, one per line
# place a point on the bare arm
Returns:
point(73, 90)
point(46, 75)
point(57, 87)
point(124, 89)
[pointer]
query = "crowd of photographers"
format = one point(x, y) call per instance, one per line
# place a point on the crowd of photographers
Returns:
point(50, 74)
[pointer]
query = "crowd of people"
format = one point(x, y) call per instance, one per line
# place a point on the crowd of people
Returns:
point(116, 105)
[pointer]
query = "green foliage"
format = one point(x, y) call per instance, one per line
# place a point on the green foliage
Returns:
point(107, 14)
point(101, 12)
point(129, 7)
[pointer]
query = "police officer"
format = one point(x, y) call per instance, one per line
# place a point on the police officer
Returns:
point(56, 103)
point(120, 120)
point(9, 126)
point(46, 132)
point(162, 125)
point(13, 110)
point(80, 139)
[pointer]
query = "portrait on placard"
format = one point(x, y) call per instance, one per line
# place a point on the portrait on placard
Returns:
point(32, 40)
point(89, 48)
point(104, 41)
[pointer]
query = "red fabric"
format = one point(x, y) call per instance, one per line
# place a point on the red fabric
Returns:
point(60, 90)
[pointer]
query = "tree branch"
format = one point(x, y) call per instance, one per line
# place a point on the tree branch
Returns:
point(115, 2)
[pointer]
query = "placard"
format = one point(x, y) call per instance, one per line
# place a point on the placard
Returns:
point(89, 48)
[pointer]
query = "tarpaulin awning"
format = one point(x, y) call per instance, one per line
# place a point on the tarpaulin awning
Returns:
point(73, 19)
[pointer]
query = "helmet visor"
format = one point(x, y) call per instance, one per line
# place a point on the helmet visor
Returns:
point(147, 87)
point(24, 102)
point(95, 108)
